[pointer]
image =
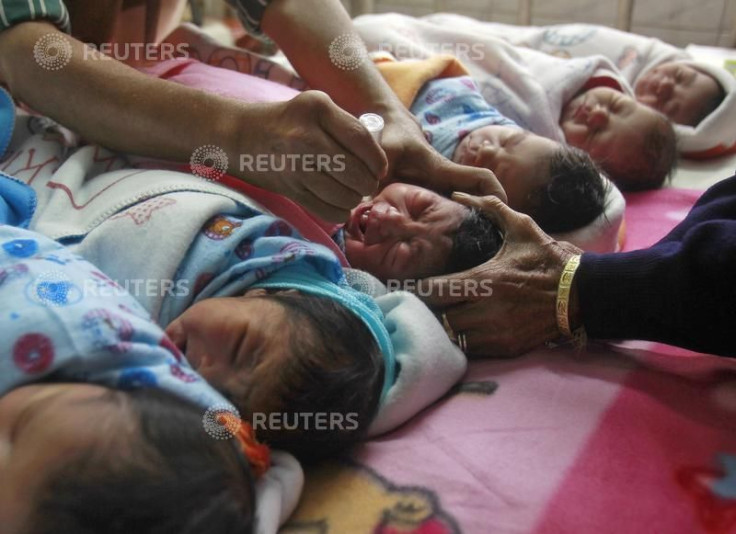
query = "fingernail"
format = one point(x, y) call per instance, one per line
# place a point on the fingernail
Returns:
point(460, 194)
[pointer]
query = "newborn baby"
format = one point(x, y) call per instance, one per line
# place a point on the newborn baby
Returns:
point(99, 411)
point(408, 232)
point(685, 94)
point(631, 141)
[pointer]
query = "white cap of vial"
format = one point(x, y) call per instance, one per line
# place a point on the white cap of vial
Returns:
point(374, 123)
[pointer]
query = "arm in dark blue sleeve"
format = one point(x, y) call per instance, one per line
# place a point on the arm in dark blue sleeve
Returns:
point(680, 291)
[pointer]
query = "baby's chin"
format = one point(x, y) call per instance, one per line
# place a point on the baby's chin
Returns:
point(353, 251)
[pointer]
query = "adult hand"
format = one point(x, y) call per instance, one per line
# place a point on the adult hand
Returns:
point(311, 151)
point(518, 312)
point(308, 148)
point(413, 160)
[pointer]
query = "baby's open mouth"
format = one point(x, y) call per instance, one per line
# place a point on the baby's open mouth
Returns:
point(358, 223)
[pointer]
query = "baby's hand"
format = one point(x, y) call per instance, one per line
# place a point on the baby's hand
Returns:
point(311, 151)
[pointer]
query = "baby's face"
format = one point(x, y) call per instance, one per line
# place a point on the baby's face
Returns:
point(234, 342)
point(404, 232)
point(608, 125)
point(41, 428)
point(518, 158)
point(679, 91)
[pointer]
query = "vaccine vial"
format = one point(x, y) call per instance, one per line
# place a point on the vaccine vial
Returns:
point(374, 124)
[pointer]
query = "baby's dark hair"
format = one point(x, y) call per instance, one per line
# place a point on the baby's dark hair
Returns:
point(574, 195)
point(656, 161)
point(328, 388)
point(709, 105)
point(476, 240)
point(170, 477)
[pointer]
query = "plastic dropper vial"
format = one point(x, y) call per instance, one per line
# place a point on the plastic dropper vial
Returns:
point(373, 123)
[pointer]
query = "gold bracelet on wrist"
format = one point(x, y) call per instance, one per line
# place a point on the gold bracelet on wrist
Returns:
point(564, 289)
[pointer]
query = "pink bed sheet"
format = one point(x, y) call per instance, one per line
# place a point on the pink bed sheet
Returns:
point(636, 438)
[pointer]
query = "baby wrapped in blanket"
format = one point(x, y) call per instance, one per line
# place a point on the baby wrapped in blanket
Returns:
point(264, 316)
point(698, 97)
point(100, 414)
point(583, 101)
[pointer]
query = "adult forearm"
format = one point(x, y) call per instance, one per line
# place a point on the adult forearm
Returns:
point(114, 105)
point(109, 103)
point(305, 29)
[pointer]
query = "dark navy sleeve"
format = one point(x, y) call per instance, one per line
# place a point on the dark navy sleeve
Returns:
point(680, 291)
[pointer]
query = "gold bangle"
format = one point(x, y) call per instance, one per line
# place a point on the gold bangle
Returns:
point(563, 296)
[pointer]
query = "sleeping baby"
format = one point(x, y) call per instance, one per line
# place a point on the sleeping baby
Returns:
point(564, 100)
point(556, 185)
point(272, 323)
point(634, 145)
point(100, 415)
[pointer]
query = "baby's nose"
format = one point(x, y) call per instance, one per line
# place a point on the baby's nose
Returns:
point(486, 155)
point(597, 117)
point(384, 221)
point(664, 89)
point(390, 219)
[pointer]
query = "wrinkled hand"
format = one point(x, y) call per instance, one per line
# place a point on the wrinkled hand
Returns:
point(413, 160)
point(311, 151)
point(518, 313)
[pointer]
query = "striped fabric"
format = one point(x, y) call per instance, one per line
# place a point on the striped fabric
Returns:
point(250, 13)
point(14, 12)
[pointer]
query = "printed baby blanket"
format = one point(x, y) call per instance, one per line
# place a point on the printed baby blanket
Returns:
point(529, 87)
